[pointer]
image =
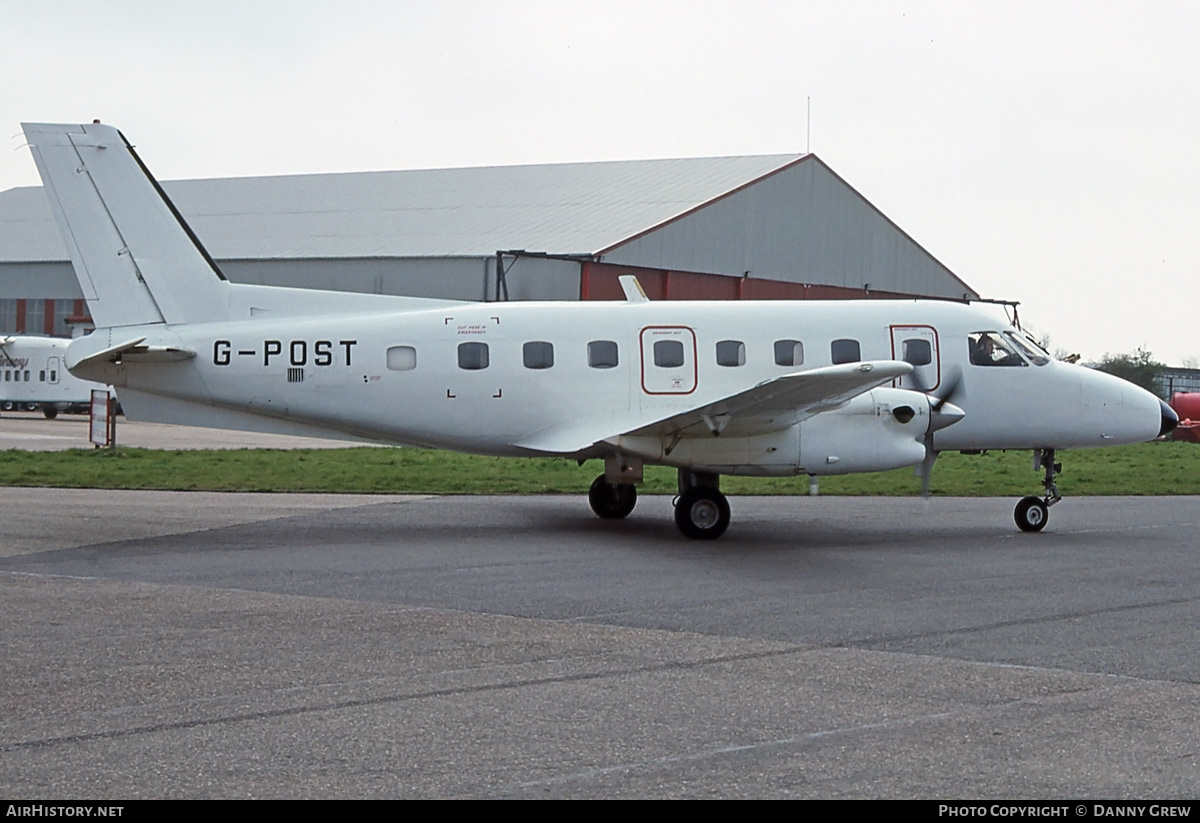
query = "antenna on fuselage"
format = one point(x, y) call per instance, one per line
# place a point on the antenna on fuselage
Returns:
point(808, 127)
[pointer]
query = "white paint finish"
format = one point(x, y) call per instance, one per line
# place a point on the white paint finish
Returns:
point(300, 361)
point(49, 383)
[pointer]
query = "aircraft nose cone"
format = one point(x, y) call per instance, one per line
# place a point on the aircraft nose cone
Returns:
point(1169, 419)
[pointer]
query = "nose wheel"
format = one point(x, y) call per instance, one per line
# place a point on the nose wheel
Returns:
point(1032, 513)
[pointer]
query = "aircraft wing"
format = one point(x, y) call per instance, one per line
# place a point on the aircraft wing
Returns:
point(772, 405)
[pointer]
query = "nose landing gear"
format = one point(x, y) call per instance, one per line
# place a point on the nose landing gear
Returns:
point(1032, 513)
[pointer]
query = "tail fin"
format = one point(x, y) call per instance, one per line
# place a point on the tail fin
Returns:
point(136, 259)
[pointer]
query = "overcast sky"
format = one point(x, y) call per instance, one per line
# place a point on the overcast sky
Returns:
point(1047, 152)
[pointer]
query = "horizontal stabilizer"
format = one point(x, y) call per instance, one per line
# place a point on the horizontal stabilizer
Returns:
point(131, 351)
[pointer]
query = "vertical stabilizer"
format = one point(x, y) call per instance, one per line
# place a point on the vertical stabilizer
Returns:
point(136, 259)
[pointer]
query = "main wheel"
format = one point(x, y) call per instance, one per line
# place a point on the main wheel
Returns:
point(1031, 514)
point(612, 501)
point(50, 412)
point(702, 513)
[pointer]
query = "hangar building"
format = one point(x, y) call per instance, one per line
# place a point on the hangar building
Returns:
point(758, 227)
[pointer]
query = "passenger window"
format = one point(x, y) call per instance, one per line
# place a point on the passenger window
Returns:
point(473, 356)
point(403, 358)
point(987, 348)
point(668, 354)
point(602, 354)
point(918, 351)
point(844, 351)
point(26, 375)
point(42, 376)
point(731, 353)
point(538, 355)
point(789, 353)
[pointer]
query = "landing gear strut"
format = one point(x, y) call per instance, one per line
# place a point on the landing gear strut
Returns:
point(701, 511)
point(1032, 513)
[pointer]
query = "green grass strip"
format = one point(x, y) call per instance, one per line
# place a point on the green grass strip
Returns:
point(1146, 469)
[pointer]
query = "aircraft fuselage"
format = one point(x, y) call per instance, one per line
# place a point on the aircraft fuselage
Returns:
point(406, 377)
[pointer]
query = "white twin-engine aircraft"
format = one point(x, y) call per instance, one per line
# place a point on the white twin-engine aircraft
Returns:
point(773, 388)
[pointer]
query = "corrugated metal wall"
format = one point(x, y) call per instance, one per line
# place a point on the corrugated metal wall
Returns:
point(599, 281)
point(802, 224)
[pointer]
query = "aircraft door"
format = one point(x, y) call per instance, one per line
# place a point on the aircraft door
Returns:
point(668, 360)
point(918, 345)
point(52, 368)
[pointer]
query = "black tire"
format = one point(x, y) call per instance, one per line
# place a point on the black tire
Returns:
point(702, 513)
point(50, 412)
point(1031, 514)
point(612, 501)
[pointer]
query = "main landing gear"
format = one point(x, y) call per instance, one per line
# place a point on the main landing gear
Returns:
point(1032, 513)
point(612, 501)
point(701, 511)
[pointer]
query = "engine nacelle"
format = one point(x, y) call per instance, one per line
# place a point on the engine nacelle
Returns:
point(879, 430)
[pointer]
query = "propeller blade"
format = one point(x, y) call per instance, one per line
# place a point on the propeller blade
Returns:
point(926, 470)
point(942, 413)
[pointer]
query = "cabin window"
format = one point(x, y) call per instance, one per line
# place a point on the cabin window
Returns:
point(473, 356)
point(668, 354)
point(26, 375)
point(53, 376)
point(538, 355)
point(987, 348)
point(403, 358)
point(789, 353)
point(7, 375)
point(731, 353)
point(844, 351)
point(602, 354)
point(42, 376)
point(918, 351)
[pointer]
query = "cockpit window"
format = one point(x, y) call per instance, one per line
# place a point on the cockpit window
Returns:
point(988, 348)
point(1029, 347)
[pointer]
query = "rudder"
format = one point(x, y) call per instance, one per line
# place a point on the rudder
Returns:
point(136, 259)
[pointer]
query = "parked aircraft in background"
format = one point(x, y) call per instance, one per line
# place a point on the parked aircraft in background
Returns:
point(33, 375)
point(753, 388)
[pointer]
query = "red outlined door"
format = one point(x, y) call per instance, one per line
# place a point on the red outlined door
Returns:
point(668, 360)
point(918, 345)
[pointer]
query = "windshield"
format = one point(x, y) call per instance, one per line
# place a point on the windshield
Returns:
point(988, 348)
point(1029, 347)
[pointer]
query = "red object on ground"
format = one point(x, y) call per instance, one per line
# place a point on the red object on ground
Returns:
point(1187, 431)
point(1187, 406)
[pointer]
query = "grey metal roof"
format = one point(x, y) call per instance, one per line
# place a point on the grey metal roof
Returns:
point(571, 208)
